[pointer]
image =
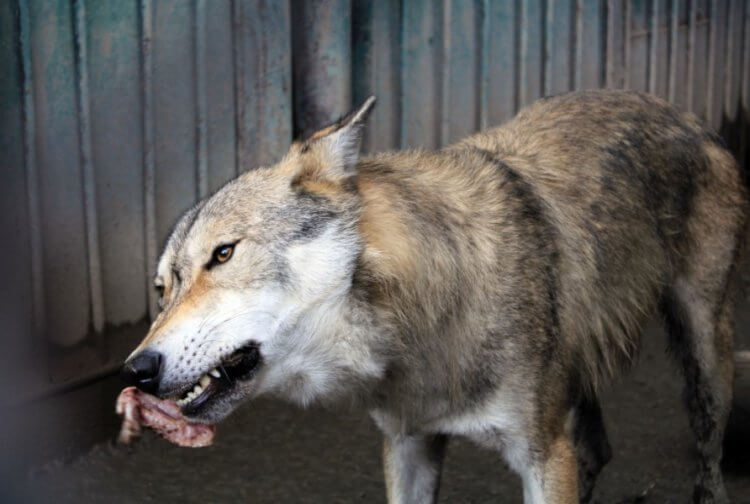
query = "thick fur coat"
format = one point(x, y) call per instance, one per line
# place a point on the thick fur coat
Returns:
point(488, 289)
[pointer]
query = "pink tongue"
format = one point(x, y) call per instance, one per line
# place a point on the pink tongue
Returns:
point(164, 417)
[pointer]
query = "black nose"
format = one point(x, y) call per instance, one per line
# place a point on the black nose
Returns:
point(143, 371)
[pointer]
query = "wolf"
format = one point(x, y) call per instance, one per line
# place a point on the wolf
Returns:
point(487, 290)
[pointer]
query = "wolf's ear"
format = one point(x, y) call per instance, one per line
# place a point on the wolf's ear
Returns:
point(334, 150)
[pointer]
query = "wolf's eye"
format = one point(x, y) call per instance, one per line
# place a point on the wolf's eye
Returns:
point(223, 253)
point(160, 292)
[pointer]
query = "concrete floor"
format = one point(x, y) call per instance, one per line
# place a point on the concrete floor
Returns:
point(274, 453)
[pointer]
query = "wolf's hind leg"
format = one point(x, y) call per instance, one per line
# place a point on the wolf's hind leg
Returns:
point(413, 465)
point(701, 336)
point(592, 447)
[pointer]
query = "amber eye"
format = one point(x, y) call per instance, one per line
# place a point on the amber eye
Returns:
point(223, 253)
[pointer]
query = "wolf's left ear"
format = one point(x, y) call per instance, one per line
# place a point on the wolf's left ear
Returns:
point(337, 146)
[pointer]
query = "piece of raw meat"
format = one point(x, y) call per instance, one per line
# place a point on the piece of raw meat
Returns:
point(139, 409)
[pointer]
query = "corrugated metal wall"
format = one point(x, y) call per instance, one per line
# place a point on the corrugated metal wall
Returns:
point(117, 115)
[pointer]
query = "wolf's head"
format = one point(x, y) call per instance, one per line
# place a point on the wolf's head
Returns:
point(253, 277)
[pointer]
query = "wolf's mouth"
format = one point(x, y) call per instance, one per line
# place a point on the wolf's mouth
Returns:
point(240, 365)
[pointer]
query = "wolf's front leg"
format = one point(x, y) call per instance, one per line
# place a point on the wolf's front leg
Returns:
point(554, 478)
point(412, 468)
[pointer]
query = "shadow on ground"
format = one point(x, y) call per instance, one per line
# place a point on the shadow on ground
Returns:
point(274, 453)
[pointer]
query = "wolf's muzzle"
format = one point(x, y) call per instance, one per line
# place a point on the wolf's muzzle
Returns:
point(143, 371)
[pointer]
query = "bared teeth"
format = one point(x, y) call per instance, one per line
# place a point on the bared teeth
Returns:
point(198, 388)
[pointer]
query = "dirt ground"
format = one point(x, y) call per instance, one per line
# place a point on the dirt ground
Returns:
point(270, 452)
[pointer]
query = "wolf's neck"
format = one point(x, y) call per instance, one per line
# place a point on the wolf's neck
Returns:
point(390, 245)
point(412, 245)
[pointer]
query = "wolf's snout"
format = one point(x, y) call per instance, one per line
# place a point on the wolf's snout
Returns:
point(143, 371)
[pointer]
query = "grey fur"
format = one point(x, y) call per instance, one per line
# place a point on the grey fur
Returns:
point(488, 289)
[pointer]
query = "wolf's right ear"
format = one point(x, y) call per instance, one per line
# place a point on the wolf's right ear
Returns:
point(333, 152)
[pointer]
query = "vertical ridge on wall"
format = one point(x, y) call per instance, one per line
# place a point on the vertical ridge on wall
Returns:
point(716, 61)
point(503, 41)
point(659, 49)
point(445, 72)
point(239, 85)
point(532, 51)
point(174, 112)
point(322, 62)
point(375, 68)
point(699, 76)
point(461, 70)
point(116, 132)
point(200, 98)
point(637, 44)
point(421, 86)
point(617, 54)
point(692, 41)
point(149, 164)
point(674, 27)
point(16, 290)
point(733, 74)
point(744, 155)
point(590, 46)
point(219, 93)
point(654, 44)
point(87, 166)
point(264, 98)
point(560, 47)
point(483, 103)
point(32, 175)
point(67, 297)
point(680, 53)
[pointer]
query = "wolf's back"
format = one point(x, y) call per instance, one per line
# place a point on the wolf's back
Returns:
point(619, 177)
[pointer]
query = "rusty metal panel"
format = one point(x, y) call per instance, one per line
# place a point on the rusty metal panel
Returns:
point(617, 19)
point(117, 116)
point(560, 38)
point(679, 51)
point(531, 86)
point(111, 33)
point(746, 64)
point(658, 75)
point(733, 67)
point(717, 46)
point(263, 81)
point(322, 71)
point(461, 69)
point(698, 62)
point(214, 50)
point(421, 76)
point(16, 308)
point(376, 28)
point(590, 44)
point(57, 143)
point(502, 47)
point(174, 112)
point(637, 36)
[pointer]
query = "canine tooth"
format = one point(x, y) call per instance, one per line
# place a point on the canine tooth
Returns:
point(215, 373)
point(205, 380)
